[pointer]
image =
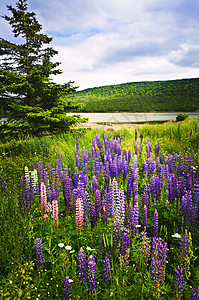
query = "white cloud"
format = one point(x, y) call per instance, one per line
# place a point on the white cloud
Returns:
point(103, 42)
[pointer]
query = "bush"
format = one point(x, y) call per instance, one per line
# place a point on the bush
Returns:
point(181, 117)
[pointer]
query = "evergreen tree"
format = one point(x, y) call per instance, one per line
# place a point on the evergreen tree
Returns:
point(30, 101)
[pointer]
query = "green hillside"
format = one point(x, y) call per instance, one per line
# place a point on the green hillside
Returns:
point(148, 96)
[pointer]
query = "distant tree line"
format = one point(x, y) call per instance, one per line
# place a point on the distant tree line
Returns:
point(171, 95)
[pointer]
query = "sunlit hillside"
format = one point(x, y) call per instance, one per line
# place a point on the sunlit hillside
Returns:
point(172, 95)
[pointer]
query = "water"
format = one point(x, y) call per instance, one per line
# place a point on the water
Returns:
point(131, 117)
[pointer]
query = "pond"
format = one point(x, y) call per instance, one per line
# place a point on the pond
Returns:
point(131, 117)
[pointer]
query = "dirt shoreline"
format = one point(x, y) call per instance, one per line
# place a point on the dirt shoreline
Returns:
point(111, 126)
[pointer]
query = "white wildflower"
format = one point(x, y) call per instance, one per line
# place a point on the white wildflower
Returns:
point(68, 247)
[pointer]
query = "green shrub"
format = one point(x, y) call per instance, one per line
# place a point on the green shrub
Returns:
point(181, 117)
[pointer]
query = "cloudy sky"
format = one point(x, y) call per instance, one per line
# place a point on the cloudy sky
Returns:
point(102, 42)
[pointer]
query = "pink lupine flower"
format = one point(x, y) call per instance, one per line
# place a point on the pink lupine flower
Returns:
point(79, 211)
point(55, 211)
point(44, 205)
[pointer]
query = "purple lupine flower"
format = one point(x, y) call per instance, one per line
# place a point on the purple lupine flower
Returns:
point(145, 217)
point(189, 218)
point(75, 178)
point(106, 141)
point(129, 187)
point(98, 141)
point(157, 149)
point(136, 134)
point(196, 197)
point(153, 188)
point(179, 282)
point(155, 263)
point(116, 236)
point(93, 217)
point(145, 247)
point(180, 165)
point(135, 146)
point(45, 176)
point(180, 190)
point(94, 185)
point(22, 203)
point(196, 129)
point(67, 192)
point(65, 171)
point(39, 253)
point(67, 289)
point(140, 148)
point(124, 242)
point(125, 154)
point(130, 216)
point(107, 267)
point(57, 184)
point(125, 169)
point(85, 155)
point(82, 265)
point(135, 192)
point(144, 197)
point(87, 209)
point(195, 291)
point(124, 248)
point(113, 167)
point(141, 136)
point(3, 185)
point(188, 177)
point(158, 166)
point(104, 209)
point(97, 204)
point(188, 164)
point(91, 276)
point(129, 156)
point(148, 149)
point(185, 253)
point(77, 143)
point(28, 200)
point(155, 224)
point(158, 264)
point(119, 165)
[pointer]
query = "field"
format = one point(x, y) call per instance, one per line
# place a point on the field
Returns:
point(149, 96)
point(101, 214)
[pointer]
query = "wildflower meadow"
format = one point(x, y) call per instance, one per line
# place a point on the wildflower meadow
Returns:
point(118, 220)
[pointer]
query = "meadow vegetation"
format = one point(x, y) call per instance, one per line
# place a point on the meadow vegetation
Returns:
point(101, 215)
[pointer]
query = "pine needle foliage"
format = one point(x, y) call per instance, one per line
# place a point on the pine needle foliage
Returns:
point(31, 103)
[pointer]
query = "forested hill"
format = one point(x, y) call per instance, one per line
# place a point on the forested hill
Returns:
point(148, 96)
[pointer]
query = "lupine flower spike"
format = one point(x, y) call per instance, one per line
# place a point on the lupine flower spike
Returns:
point(67, 289)
point(39, 254)
point(79, 214)
point(179, 282)
point(82, 265)
point(91, 278)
